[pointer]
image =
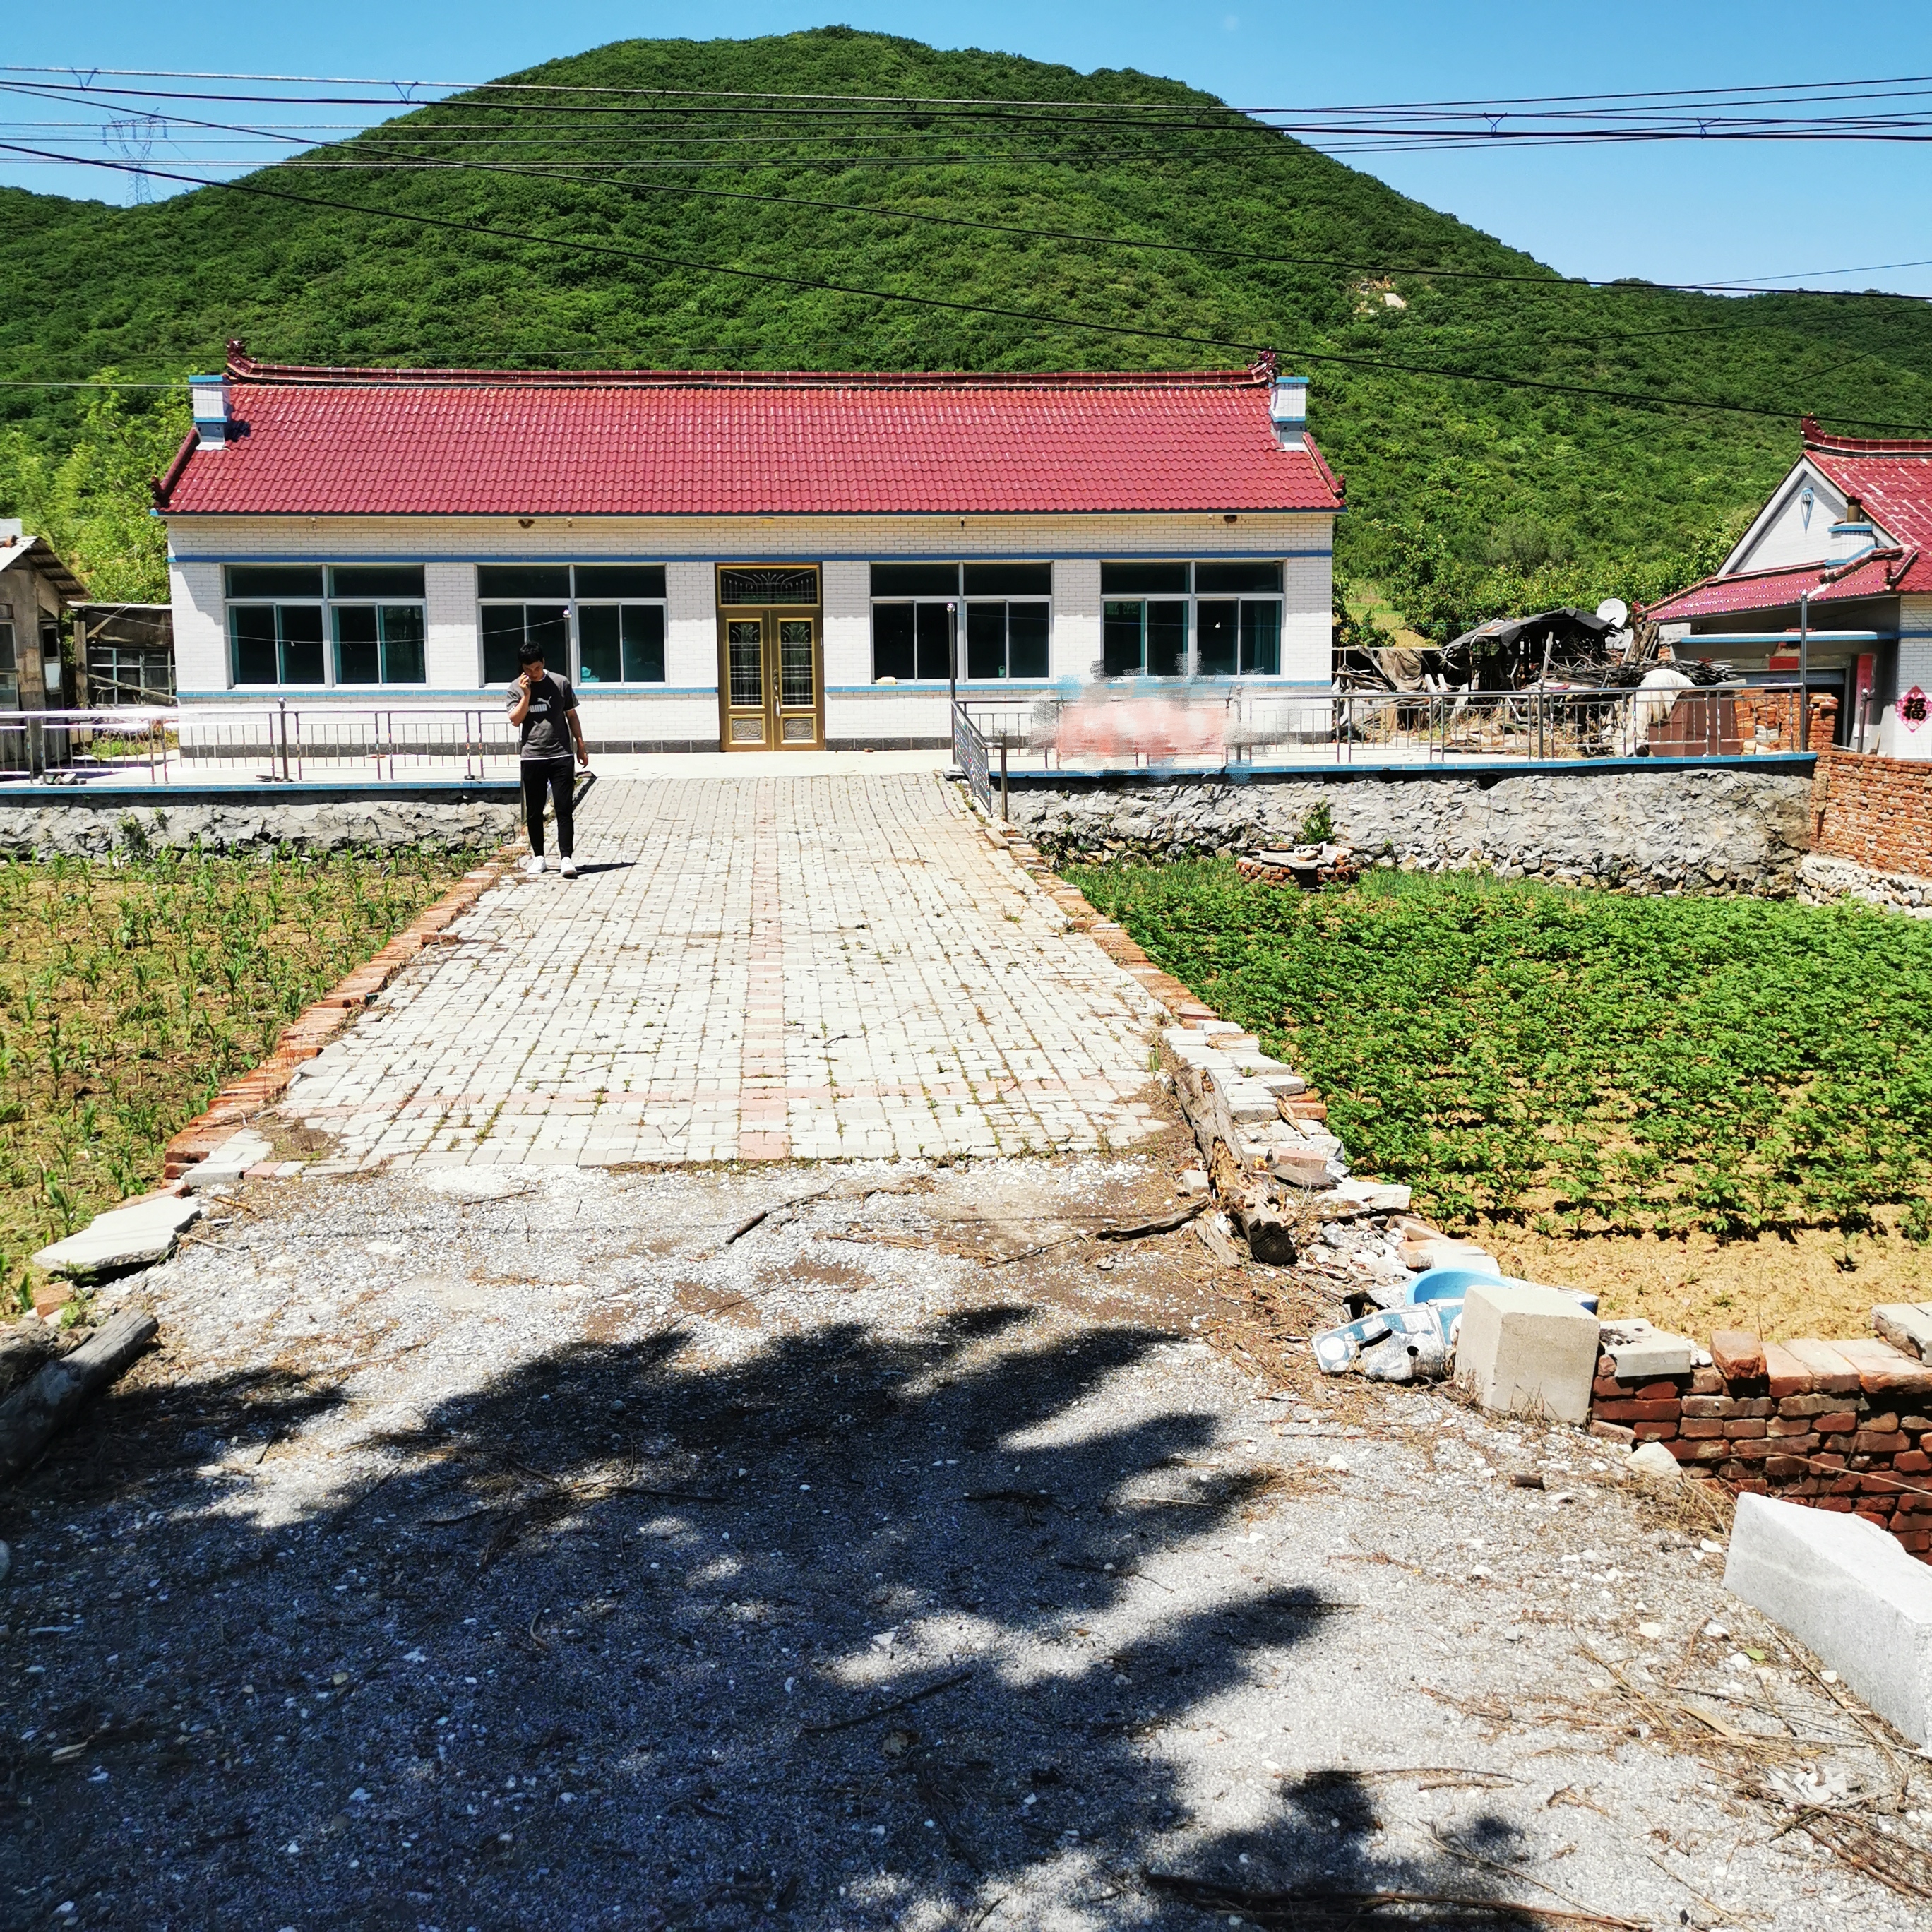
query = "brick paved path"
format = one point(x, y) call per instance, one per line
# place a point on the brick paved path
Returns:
point(762, 968)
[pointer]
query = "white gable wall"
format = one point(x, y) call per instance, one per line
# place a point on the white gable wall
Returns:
point(1782, 535)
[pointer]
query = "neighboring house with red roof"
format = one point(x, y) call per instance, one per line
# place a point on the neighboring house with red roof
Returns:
point(1835, 570)
point(739, 560)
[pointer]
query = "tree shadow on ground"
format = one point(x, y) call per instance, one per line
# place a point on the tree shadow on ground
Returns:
point(626, 1637)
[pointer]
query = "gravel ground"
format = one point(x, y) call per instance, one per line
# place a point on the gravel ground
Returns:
point(507, 1549)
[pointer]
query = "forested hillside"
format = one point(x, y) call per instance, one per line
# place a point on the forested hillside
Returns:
point(587, 230)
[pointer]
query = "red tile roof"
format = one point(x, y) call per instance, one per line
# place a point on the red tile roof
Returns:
point(1893, 481)
point(483, 443)
point(1879, 575)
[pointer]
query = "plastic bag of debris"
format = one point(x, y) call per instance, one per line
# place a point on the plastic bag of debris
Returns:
point(1421, 1339)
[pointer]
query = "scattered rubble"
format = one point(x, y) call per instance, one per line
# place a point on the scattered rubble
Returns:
point(1310, 867)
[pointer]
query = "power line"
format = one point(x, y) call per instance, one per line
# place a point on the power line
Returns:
point(1037, 318)
point(1546, 279)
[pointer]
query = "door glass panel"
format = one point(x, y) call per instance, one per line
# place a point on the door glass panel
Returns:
point(745, 642)
point(599, 646)
point(301, 643)
point(1218, 654)
point(502, 635)
point(935, 640)
point(1026, 640)
point(1166, 640)
point(1261, 638)
point(986, 641)
point(892, 641)
point(795, 666)
point(643, 643)
point(356, 658)
point(254, 628)
point(402, 643)
point(547, 627)
point(1120, 641)
point(778, 586)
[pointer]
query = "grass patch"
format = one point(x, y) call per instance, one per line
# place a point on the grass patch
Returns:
point(129, 992)
point(1580, 1062)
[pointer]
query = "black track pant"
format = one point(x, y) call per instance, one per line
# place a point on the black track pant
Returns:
point(558, 776)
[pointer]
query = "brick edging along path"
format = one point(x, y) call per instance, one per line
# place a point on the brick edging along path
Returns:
point(239, 1100)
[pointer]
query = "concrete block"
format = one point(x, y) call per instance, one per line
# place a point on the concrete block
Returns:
point(1643, 1353)
point(1906, 1325)
point(1849, 1593)
point(1527, 1350)
point(122, 1238)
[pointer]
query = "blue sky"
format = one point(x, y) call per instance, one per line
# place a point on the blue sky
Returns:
point(1673, 212)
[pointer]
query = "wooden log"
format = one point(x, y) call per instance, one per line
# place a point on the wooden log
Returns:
point(1244, 1197)
point(24, 1346)
point(31, 1416)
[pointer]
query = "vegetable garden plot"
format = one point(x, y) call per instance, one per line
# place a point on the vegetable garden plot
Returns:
point(1611, 1063)
point(129, 992)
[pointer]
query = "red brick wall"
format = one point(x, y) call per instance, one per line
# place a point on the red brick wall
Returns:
point(1836, 1432)
point(1876, 811)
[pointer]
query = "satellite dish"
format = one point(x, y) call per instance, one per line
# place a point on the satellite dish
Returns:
point(1614, 611)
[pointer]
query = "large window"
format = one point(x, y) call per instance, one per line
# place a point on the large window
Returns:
point(996, 616)
point(10, 673)
point(613, 614)
point(1161, 619)
point(344, 624)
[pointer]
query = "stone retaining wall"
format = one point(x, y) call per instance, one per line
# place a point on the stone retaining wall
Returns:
point(30, 831)
point(1823, 879)
point(1844, 1426)
point(1702, 828)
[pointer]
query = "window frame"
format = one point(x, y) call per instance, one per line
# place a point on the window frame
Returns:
point(1191, 599)
point(959, 604)
point(325, 604)
point(572, 605)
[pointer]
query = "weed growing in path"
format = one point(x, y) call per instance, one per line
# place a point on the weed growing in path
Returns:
point(1608, 1062)
point(130, 991)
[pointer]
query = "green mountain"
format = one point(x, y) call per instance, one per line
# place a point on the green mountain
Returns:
point(598, 232)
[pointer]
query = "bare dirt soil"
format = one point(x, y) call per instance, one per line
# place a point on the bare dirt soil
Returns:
point(1814, 1282)
point(516, 1548)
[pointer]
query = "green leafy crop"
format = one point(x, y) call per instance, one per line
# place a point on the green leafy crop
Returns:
point(1620, 1063)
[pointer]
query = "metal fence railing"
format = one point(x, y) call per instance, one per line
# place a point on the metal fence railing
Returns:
point(294, 743)
point(272, 743)
point(71, 745)
point(1209, 727)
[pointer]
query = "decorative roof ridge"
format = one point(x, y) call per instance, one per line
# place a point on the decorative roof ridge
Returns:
point(243, 368)
point(1825, 445)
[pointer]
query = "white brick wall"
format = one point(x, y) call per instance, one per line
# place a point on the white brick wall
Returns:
point(450, 548)
point(846, 585)
point(1914, 667)
point(1074, 650)
point(201, 644)
point(690, 630)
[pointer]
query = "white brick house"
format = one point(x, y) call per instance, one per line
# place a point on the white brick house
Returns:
point(743, 560)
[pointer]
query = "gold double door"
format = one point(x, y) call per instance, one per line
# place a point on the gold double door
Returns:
point(771, 679)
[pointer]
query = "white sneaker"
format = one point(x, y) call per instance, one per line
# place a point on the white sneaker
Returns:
point(569, 868)
point(534, 864)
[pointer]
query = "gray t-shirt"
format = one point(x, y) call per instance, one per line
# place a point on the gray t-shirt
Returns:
point(546, 731)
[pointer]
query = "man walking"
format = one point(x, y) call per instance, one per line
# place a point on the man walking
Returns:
point(542, 706)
